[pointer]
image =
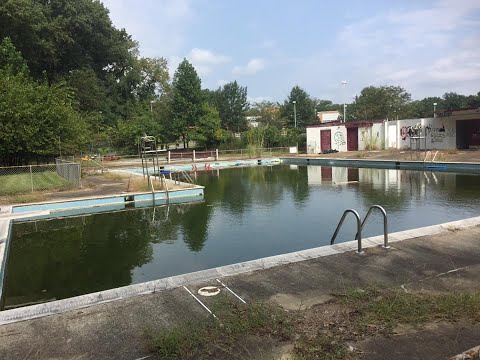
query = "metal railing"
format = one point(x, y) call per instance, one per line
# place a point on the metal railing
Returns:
point(359, 229)
point(385, 223)
point(361, 225)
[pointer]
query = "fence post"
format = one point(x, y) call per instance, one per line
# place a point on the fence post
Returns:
point(193, 155)
point(31, 177)
point(168, 157)
point(216, 154)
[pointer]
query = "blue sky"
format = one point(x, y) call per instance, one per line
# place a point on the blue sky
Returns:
point(428, 47)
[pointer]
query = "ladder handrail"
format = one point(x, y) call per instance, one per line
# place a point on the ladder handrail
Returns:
point(385, 223)
point(359, 229)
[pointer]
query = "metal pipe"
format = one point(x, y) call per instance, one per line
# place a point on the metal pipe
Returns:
point(385, 223)
point(166, 188)
point(359, 229)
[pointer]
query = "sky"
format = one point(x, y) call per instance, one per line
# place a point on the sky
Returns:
point(427, 47)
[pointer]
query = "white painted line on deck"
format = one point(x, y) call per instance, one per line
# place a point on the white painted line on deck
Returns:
point(226, 287)
point(200, 302)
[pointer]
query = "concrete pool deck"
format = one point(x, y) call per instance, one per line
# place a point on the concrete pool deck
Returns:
point(437, 258)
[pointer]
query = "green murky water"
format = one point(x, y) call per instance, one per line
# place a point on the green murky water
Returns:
point(248, 213)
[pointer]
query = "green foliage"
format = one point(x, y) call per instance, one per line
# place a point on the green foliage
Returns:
point(200, 340)
point(11, 60)
point(35, 118)
point(208, 132)
point(186, 105)
point(231, 102)
point(380, 102)
point(61, 36)
point(304, 106)
point(269, 113)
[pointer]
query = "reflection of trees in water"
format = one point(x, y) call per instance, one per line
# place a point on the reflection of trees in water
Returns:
point(237, 189)
point(99, 253)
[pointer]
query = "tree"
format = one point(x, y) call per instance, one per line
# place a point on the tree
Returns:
point(232, 105)
point(59, 36)
point(423, 108)
point(207, 132)
point(269, 113)
point(186, 106)
point(381, 102)
point(35, 118)
point(304, 106)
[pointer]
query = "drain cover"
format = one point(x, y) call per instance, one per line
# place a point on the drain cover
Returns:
point(209, 291)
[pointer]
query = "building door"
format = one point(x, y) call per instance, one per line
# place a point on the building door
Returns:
point(392, 136)
point(325, 140)
point(352, 139)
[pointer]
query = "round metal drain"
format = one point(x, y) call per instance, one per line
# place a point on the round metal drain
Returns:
point(209, 291)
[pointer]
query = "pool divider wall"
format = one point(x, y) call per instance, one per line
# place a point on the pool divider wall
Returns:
point(471, 168)
point(82, 301)
point(47, 210)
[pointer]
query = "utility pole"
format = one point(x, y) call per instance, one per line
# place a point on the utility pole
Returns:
point(295, 112)
point(344, 83)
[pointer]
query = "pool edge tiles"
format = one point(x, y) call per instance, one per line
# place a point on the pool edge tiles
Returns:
point(5, 231)
point(113, 201)
point(82, 301)
point(458, 167)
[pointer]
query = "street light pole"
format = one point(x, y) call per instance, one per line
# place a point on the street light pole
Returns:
point(434, 110)
point(151, 106)
point(295, 112)
point(344, 83)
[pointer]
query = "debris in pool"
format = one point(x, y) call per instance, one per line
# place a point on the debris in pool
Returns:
point(209, 291)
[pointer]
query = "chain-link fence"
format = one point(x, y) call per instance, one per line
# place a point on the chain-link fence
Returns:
point(31, 178)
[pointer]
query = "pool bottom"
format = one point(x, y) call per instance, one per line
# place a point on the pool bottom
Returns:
point(82, 301)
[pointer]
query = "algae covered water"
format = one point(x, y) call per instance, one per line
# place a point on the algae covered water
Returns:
point(248, 213)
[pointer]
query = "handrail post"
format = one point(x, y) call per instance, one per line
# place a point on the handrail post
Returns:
point(359, 229)
point(385, 223)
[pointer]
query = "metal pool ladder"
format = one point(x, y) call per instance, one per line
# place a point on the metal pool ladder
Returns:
point(361, 224)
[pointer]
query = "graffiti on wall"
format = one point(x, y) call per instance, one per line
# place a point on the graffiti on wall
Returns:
point(438, 135)
point(409, 131)
point(338, 138)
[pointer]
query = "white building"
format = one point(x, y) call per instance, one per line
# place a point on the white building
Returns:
point(459, 129)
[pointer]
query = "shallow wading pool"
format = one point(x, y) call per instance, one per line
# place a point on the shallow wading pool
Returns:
point(248, 213)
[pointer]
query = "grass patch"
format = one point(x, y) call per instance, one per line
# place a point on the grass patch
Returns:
point(22, 183)
point(326, 331)
point(390, 308)
point(218, 338)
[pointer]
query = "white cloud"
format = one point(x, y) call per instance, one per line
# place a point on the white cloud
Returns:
point(205, 60)
point(429, 51)
point(222, 82)
point(252, 67)
point(204, 56)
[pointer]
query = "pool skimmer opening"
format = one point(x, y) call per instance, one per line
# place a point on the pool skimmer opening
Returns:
point(209, 291)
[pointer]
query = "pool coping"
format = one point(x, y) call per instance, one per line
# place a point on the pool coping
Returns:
point(87, 300)
point(462, 167)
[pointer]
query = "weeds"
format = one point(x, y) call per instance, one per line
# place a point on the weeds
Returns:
point(321, 332)
point(390, 308)
point(197, 340)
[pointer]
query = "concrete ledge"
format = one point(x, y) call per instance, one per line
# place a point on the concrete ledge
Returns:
point(469, 168)
point(82, 301)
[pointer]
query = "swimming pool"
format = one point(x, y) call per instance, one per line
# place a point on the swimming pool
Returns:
point(248, 213)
